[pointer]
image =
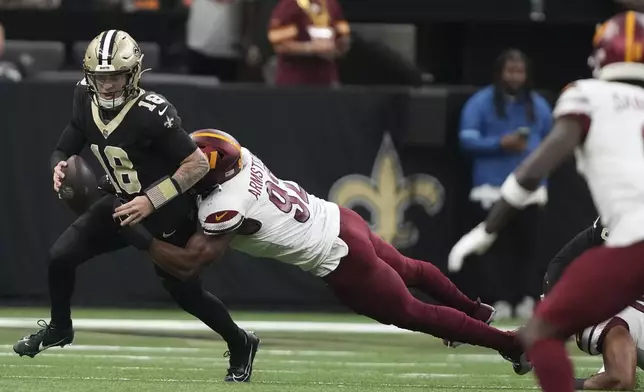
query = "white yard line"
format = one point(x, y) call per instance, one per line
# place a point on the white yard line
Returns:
point(198, 326)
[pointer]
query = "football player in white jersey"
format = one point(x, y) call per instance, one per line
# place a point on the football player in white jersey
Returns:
point(248, 208)
point(602, 120)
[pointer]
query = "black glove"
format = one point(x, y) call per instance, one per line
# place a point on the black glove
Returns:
point(136, 235)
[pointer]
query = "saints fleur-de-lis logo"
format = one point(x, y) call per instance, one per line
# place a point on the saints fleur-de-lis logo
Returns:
point(387, 194)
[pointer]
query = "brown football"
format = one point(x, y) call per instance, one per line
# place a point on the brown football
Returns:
point(79, 188)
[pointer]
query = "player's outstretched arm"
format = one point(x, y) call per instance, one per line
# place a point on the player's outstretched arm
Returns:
point(620, 361)
point(566, 135)
point(183, 263)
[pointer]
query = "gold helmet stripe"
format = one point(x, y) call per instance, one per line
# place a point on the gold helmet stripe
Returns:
point(629, 34)
point(106, 47)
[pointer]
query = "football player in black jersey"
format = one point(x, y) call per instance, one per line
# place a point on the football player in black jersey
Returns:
point(151, 162)
point(588, 238)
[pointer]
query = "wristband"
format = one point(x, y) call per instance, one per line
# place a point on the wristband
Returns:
point(161, 192)
point(514, 193)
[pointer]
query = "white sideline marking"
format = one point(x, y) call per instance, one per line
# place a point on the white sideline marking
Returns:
point(193, 350)
point(154, 368)
point(463, 358)
point(198, 326)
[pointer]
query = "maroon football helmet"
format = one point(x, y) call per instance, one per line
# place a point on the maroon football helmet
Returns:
point(224, 154)
point(619, 48)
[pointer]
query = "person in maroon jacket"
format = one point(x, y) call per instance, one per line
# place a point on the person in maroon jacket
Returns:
point(308, 36)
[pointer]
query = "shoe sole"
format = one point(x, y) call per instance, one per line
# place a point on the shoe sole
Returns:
point(32, 354)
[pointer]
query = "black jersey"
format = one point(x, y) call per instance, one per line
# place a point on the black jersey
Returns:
point(593, 236)
point(137, 146)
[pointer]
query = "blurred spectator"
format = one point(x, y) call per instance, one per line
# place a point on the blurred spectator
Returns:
point(141, 5)
point(214, 37)
point(34, 4)
point(8, 70)
point(500, 125)
point(255, 45)
point(308, 36)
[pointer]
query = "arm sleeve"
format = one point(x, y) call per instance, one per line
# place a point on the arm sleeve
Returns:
point(340, 24)
point(471, 136)
point(283, 24)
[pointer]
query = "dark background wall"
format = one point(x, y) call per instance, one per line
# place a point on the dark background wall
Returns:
point(297, 132)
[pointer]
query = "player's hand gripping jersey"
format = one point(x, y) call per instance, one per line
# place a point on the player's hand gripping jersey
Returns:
point(274, 219)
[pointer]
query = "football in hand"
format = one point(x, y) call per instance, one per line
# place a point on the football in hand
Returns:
point(79, 188)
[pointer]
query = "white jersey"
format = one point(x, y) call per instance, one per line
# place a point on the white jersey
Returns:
point(280, 220)
point(612, 155)
point(633, 315)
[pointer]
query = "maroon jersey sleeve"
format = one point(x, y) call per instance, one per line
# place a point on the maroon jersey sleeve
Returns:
point(284, 23)
point(340, 24)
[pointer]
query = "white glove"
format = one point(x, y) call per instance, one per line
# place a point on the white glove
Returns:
point(476, 241)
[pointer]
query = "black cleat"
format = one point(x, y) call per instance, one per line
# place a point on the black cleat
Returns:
point(520, 363)
point(241, 359)
point(48, 336)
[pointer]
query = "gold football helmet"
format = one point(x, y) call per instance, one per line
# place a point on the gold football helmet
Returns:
point(112, 66)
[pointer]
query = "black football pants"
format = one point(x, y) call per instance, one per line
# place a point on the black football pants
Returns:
point(95, 233)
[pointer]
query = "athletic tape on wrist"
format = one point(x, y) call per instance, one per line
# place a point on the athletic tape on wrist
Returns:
point(162, 191)
point(514, 193)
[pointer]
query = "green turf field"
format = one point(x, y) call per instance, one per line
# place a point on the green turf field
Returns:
point(287, 361)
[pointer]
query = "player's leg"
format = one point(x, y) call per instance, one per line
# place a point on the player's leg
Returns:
point(192, 297)
point(598, 285)
point(429, 279)
point(371, 287)
point(92, 234)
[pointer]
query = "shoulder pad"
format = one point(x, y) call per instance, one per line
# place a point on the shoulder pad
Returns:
point(574, 100)
point(162, 112)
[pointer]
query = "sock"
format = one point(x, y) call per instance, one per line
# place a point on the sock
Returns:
point(210, 310)
point(61, 288)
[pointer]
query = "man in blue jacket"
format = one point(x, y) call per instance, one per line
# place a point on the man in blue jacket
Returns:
point(500, 125)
